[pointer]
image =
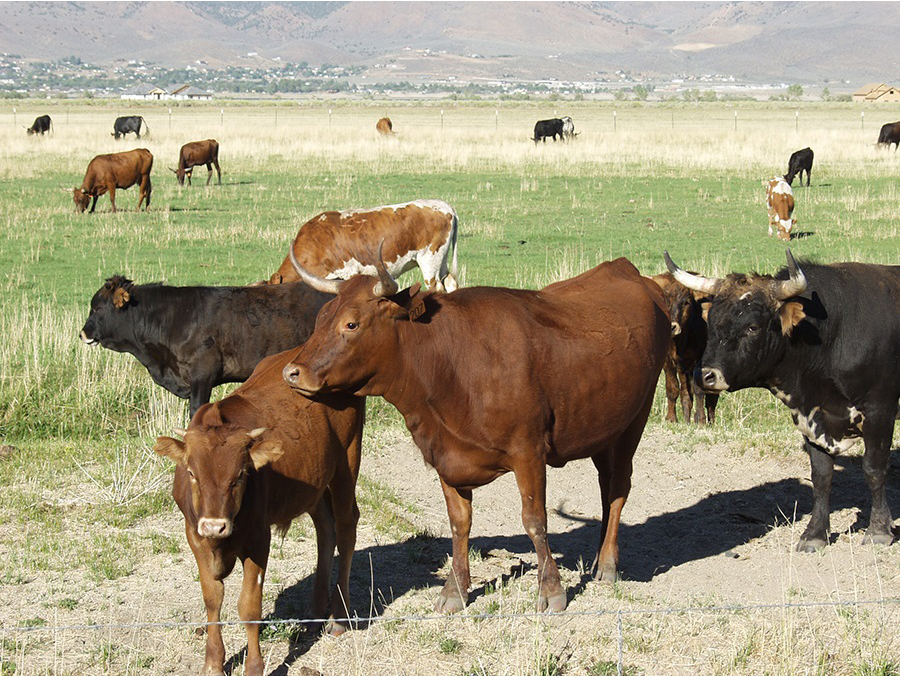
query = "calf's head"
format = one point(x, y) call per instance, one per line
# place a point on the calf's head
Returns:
point(750, 321)
point(218, 461)
point(355, 334)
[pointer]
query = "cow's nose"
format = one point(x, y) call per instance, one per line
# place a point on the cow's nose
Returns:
point(712, 379)
point(214, 528)
point(301, 380)
point(291, 374)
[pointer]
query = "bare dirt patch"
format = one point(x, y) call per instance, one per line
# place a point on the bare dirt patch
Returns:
point(703, 530)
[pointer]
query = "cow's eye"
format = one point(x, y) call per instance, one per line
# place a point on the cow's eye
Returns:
point(351, 326)
point(753, 328)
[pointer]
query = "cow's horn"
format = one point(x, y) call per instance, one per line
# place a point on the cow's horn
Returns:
point(179, 432)
point(386, 285)
point(314, 281)
point(173, 170)
point(785, 289)
point(691, 281)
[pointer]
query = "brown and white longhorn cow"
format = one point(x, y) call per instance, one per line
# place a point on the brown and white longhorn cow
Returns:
point(780, 204)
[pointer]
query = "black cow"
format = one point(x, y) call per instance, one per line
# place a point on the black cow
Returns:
point(825, 340)
point(889, 134)
point(41, 124)
point(548, 128)
point(191, 339)
point(800, 161)
point(129, 123)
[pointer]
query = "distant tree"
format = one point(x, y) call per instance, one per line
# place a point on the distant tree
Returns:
point(826, 94)
point(640, 92)
point(709, 95)
point(620, 95)
point(794, 92)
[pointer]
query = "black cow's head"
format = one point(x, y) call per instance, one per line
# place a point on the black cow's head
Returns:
point(750, 321)
point(106, 305)
point(218, 460)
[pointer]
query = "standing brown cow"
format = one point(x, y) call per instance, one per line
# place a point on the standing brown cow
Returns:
point(491, 380)
point(194, 154)
point(384, 126)
point(106, 173)
point(261, 457)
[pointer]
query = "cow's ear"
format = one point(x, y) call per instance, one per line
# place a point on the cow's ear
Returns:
point(702, 297)
point(172, 448)
point(266, 452)
point(790, 314)
point(411, 301)
point(704, 310)
point(662, 280)
point(120, 297)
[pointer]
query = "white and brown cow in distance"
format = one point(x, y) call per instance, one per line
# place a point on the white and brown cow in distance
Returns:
point(338, 245)
point(780, 204)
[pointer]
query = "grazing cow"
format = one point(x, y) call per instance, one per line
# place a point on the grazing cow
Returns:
point(800, 161)
point(548, 128)
point(492, 380)
point(192, 339)
point(106, 173)
point(261, 457)
point(129, 123)
point(41, 124)
point(889, 134)
point(338, 245)
point(825, 340)
point(686, 310)
point(780, 204)
point(568, 128)
point(198, 153)
point(385, 126)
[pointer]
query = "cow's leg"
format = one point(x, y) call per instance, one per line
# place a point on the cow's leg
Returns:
point(213, 593)
point(456, 589)
point(188, 173)
point(323, 520)
point(208, 173)
point(815, 536)
point(112, 197)
point(218, 171)
point(144, 193)
point(346, 517)
point(878, 433)
point(670, 369)
point(250, 602)
point(616, 465)
point(94, 203)
point(532, 481)
point(705, 414)
point(686, 393)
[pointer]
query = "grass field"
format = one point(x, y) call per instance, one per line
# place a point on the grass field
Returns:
point(637, 181)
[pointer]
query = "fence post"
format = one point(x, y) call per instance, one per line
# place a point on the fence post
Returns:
point(170, 119)
point(329, 117)
point(614, 121)
point(862, 120)
point(797, 121)
point(442, 119)
point(673, 118)
point(735, 121)
point(496, 120)
point(619, 642)
point(222, 117)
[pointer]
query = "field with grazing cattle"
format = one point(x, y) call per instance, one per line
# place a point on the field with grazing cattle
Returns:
point(91, 542)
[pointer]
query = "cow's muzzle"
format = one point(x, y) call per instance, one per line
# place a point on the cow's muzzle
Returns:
point(214, 528)
point(90, 341)
point(711, 380)
point(301, 380)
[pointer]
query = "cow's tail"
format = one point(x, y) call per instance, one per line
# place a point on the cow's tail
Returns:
point(454, 234)
point(146, 126)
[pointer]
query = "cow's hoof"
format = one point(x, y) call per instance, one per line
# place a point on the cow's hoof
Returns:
point(254, 668)
point(449, 604)
point(554, 603)
point(878, 538)
point(213, 670)
point(608, 575)
point(334, 628)
point(811, 544)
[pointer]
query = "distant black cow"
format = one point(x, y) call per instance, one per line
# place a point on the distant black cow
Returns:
point(889, 134)
point(825, 341)
point(129, 123)
point(41, 124)
point(800, 161)
point(191, 339)
point(548, 128)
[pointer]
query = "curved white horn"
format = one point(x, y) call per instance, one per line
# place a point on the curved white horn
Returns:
point(314, 281)
point(691, 281)
point(785, 289)
point(179, 432)
point(386, 285)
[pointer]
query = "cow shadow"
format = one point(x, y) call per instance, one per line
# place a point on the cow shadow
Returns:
point(799, 235)
point(713, 526)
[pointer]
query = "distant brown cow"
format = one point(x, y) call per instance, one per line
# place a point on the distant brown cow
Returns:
point(106, 173)
point(338, 245)
point(198, 153)
point(261, 457)
point(686, 310)
point(491, 380)
point(384, 126)
point(780, 205)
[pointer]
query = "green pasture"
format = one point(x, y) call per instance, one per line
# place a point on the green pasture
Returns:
point(638, 180)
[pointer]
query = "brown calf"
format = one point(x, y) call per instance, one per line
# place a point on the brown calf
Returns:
point(780, 204)
point(261, 457)
point(339, 245)
point(194, 154)
point(106, 173)
point(492, 380)
point(385, 126)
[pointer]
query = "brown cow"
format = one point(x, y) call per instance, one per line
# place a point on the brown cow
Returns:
point(686, 309)
point(780, 204)
point(492, 380)
point(106, 173)
point(261, 457)
point(194, 154)
point(385, 126)
point(339, 245)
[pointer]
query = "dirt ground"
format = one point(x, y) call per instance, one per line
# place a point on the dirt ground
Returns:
point(703, 530)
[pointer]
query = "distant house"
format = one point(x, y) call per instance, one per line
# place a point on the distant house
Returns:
point(146, 92)
point(177, 92)
point(187, 92)
point(877, 91)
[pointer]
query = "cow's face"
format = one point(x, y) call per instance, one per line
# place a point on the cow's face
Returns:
point(749, 323)
point(81, 199)
point(30, 131)
point(180, 174)
point(107, 305)
point(355, 336)
point(218, 462)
